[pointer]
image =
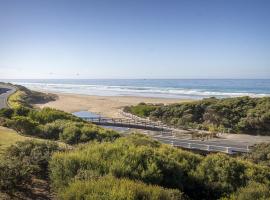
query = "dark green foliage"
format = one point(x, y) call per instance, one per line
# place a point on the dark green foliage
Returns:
point(21, 111)
point(33, 153)
point(223, 174)
point(23, 125)
point(14, 175)
point(116, 189)
point(241, 114)
point(141, 109)
point(260, 154)
point(135, 157)
point(6, 112)
point(140, 158)
point(71, 134)
point(53, 124)
point(47, 115)
point(22, 161)
point(253, 191)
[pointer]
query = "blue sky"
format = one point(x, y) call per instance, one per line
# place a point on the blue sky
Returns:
point(135, 39)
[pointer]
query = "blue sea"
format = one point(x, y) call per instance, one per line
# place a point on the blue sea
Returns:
point(165, 88)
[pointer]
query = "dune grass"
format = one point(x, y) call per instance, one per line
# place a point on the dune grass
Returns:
point(15, 99)
point(9, 137)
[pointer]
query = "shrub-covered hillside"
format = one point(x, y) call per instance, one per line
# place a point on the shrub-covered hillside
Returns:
point(139, 158)
point(241, 114)
point(25, 97)
point(53, 124)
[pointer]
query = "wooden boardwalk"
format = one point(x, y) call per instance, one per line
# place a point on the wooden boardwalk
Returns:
point(128, 123)
point(167, 135)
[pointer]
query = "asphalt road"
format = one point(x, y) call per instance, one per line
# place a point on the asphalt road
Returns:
point(7, 90)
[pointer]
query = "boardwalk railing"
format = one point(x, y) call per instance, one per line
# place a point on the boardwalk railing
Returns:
point(129, 123)
point(156, 126)
point(203, 147)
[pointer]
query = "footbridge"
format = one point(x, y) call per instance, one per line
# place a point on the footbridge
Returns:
point(166, 135)
point(128, 123)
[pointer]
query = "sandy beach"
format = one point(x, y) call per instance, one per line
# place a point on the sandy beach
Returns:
point(108, 106)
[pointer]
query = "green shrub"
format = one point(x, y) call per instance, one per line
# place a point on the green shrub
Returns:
point(47, 115)
point(223, 174)
point(116, 189)
point(24, 125)
point(253, 191)
point(33, 153)
point(71, 134)
point(260, 154)
point(142, 109)
point(14, 175)
point(135, 157)
point(240, 114)
point(6, 112)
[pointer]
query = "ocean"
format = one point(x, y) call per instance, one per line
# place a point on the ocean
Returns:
point(165, 88)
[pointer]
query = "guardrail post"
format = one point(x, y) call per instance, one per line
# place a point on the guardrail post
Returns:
point(208, 147)
point(229, 150)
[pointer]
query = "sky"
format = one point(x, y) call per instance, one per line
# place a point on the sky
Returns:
point(134, 39)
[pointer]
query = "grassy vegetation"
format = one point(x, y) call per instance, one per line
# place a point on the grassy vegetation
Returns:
point(239, 115)
point(139, 158)
point(53, 124)
point(25, 97)
point(260, 154)
point(110, 188)
point(9, 137)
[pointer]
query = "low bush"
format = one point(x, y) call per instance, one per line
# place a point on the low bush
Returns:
point(252, 191)
point(138, 157)
point(105, 188)
point(53, 124)
point(239, 114)
point(223, 175)
point(260, 154)
point(33, 153)
point(14, 175)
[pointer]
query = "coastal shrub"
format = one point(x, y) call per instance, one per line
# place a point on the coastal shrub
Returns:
point(121, 159)
point(239, 114)
point(135, 157)
point(222, 174)
point(252, 191)
point(6, 112)
point(23, 125)
point(14, 175)
point(47, 115)
point(23, 162)
point(260, 154)
point(71, 134)
point(116, 189)
point(33, 153)
point(142, 109)
point(53, 124)
point(21, 111)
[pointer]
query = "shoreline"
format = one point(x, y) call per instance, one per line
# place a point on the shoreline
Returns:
point(108, 106)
